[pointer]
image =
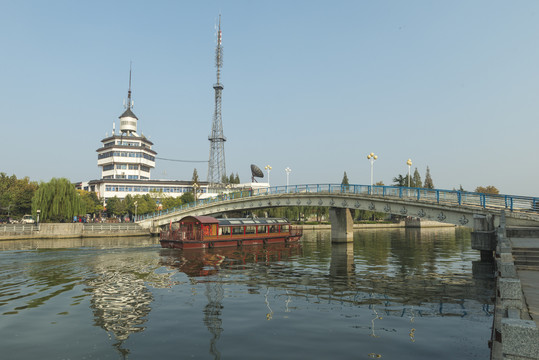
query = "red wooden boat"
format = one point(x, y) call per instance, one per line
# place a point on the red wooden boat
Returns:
point(197, 232)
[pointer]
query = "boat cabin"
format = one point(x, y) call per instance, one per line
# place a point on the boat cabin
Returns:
point(207, 231)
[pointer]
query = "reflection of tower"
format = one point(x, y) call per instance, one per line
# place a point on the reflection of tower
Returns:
point(120, 296)
point(216, 164)
point(212, 314)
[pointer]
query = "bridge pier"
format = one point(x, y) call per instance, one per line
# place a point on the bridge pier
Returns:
point(342, 225)
point(484, 236)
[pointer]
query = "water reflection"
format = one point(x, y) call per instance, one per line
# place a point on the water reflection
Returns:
point(279, 289)
point(199, 264)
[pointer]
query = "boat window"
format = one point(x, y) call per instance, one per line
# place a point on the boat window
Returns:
point(262, 229)
point(237, 230)
point(224, 230)
point(250, 229)
point(273, 229)
point(285, 228)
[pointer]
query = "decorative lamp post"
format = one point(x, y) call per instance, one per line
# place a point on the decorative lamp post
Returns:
point(372, 158)
point(409, 163)
point(38, 212)
point(288, 171)
point(268, 167)
point(136, 205)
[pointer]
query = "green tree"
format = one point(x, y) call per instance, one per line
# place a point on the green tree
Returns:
point(345, 179)
point(416, 180)
point(400, 180)
point(428, 180)
point(487, 189)
point(91, 202)
point(237, 179)
point(16, 195)
point(58, 201)
point(231, 179)
point(195, 176)
point(187, 198)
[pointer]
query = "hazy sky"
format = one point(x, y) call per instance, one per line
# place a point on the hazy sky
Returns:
point(310, 85)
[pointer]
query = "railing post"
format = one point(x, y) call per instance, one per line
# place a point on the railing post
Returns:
point(438, 196)
point(459, 197)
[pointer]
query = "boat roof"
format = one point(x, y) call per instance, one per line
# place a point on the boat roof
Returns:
point(249, 221)
point(202, 219)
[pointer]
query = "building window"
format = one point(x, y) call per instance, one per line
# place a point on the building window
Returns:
point(132, 177)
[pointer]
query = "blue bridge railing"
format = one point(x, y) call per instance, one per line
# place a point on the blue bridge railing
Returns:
point(438, 196)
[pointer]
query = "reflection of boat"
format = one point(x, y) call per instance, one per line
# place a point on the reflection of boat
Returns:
point(207, 232)
point(204, 262)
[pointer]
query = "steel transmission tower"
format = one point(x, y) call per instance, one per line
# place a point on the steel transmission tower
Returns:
point(216, 164)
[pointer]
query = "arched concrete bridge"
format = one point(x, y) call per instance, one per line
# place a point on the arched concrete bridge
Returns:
point(449, 206)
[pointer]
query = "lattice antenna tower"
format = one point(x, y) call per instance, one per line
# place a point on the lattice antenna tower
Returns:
point(216, 164)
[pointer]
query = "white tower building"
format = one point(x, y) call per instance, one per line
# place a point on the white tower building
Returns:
point(127, 155)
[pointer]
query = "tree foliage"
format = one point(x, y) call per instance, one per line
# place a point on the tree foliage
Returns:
point(428, 180)
point(400, 180)
point(232, 179)
point(92, 203)
point(16, 195)
point(487, 189)
point(58, 201)
point(416, 180)
point(345, 179)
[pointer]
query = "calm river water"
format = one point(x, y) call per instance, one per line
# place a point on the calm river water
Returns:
point(392, 294)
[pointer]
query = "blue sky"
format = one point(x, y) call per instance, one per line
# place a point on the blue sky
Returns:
point(310, 85)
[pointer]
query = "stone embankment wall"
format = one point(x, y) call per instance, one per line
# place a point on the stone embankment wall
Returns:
point(74, 230)
point(514, 335)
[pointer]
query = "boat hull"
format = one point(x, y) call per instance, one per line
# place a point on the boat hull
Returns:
point(217, 243)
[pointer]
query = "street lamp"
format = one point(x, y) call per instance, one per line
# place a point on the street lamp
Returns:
point(268, 167)
point(409, 163)
point(288, 171)
point(372, 158)
point(136, 205)
point(38, 212)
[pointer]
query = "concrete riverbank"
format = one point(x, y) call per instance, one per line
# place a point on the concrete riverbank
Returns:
point(78, 230)
point(70, 230)
point(515, 333)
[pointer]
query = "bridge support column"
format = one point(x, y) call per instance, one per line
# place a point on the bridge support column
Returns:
point(484, 236)
point(342, 225)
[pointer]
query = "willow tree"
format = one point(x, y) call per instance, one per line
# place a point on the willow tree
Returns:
point(57, 200)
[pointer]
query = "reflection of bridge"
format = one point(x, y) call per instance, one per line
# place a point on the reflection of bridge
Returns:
point(450, 206)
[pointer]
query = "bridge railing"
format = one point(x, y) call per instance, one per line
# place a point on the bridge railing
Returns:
point(438, 196)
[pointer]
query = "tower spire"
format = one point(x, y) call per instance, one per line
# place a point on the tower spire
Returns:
point(128, 120)
point(216, 164)
point(129, 101)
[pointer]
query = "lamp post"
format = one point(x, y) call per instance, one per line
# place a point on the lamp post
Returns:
point(38, 212)
point(372, 158)
point(288, 171)
point(136, 205)
point(409, 163)
point(268, 167)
